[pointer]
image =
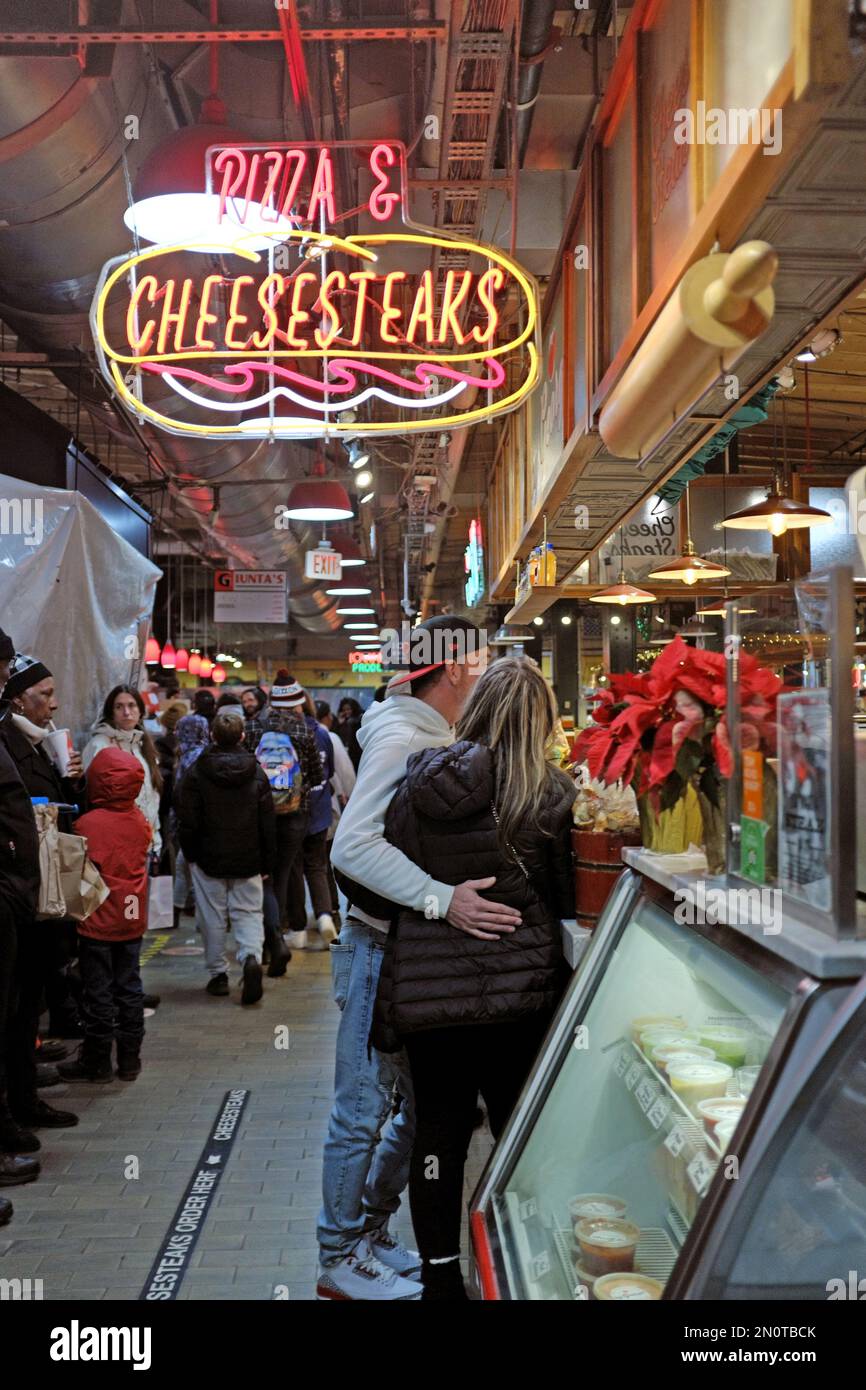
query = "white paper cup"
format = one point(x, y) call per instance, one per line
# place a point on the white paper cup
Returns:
point(59, 746)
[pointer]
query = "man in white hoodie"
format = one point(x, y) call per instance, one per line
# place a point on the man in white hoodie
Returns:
point(367, 1151)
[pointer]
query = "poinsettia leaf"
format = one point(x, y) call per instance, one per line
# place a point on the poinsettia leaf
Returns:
point(671, 791)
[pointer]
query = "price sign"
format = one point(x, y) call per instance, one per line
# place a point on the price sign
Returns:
point(621, 1062)
point(539, 1265)
point(700, 1170)
point(634, 1071)
point(675, 1141)
point(658, 1113)
point(646, 1094)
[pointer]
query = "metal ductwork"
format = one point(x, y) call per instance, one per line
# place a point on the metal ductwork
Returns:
point(63, 191)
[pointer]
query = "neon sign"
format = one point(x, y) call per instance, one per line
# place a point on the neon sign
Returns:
point(473, 559)
point(290, 341)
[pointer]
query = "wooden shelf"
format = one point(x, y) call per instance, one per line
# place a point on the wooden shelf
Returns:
point(534, 603)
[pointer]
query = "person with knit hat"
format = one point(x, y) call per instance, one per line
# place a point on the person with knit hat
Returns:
point(19, 890)
point(26, 716)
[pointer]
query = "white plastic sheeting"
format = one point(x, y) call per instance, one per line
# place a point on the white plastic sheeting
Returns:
point(74, 594)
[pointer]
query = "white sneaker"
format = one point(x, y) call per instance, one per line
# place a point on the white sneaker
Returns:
point(297, 940)
point(327, 931)
point(390, 1252)
point(360, 1277)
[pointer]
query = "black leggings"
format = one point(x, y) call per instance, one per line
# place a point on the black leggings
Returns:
point(450, 1067)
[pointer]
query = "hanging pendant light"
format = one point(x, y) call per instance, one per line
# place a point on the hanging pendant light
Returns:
point(778, 512)
point(152, 652)
point(218, 675)
point(688, 567)
point(350, 551)
point(167, 661)
point(181, 659)
point(622, 592)
point(207, 666)
point(318, 499)
point(194, 667)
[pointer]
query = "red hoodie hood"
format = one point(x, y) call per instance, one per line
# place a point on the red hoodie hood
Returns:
point(114, 779)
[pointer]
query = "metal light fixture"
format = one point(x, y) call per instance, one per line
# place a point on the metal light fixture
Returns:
point(318, 499)
point(354, 612)
point(347, 592)
point(358, 455)
point(368, 497)
point(566, 620)
point(364, 479)
point(622, 592)
point(689, 566)
point(350, 551)
point(778, 512)
point(359, 626)
point(663, 636)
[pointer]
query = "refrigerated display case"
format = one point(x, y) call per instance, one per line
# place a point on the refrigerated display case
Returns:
point(648, 1126)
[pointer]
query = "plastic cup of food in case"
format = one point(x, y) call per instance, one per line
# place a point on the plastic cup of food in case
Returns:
point(730, 1044)
point(680, 1052)
point(652, 1038)
point(746, 1080)
point(697, 1081)
point(607, 1244)
point(595, 1204)
point(671, 1021)
point(725, 1133)
point(625, 1288)
point(720, 1110)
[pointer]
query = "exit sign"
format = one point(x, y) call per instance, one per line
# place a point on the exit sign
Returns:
point(323, 563)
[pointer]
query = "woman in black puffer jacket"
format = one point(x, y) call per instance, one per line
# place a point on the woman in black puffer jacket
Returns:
point(472, 1009)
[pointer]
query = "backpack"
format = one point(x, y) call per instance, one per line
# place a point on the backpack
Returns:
point(277, 757)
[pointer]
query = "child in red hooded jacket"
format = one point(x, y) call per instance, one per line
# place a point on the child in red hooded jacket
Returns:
point(118, 840)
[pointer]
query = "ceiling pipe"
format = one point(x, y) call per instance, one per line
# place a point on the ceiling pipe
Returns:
point(536, 37)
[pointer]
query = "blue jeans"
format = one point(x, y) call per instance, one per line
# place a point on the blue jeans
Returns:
point(368, 1148)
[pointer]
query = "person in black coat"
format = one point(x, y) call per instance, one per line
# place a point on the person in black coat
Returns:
point(44, 948)
point(19, 893)
point(226, 827)
point(472, 1010)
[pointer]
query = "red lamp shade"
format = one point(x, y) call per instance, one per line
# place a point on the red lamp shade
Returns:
point(168, 657)
point(181, 659)
point(318, 499)
point(206, 666)
point(218, 675)
point(349, 550)
point(151, 652)
point(194, 667)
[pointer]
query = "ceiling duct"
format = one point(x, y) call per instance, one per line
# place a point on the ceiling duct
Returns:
point(63, 192)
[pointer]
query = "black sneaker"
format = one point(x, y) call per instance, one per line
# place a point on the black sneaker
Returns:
point(279, 961)
point(15, 1170)
point(40, 1115)
point(151, 1001)
point(252, 981)
point(78, 1070)
point(218, 984)
point(15, 1140)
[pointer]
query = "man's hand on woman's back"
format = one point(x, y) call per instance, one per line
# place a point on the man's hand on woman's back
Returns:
point(478, 916)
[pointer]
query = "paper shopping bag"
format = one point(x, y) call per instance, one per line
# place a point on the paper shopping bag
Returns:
point(160, 903)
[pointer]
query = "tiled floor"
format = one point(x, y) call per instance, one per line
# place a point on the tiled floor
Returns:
point(88, 1230)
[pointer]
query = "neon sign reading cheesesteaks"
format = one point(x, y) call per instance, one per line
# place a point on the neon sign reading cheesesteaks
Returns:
point(290, 340)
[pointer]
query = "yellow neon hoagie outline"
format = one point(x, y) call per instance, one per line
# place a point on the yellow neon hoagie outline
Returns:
point(325, 427)
point(352, 245)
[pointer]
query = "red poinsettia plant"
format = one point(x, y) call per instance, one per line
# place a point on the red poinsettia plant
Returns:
point(663, 729)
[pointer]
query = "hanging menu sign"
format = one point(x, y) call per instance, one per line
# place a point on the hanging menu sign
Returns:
point(295, 329)
point(250, 596)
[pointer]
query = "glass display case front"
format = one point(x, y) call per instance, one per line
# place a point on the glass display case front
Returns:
point(596, 1198)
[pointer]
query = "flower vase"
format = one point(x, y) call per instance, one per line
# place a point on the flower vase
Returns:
point(714, 830)
point(671, 831)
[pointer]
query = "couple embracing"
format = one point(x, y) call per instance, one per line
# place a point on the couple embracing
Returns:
point(454, 853)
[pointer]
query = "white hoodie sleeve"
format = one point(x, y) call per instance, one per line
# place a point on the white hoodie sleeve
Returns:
point(361, 851)
point(343, 780)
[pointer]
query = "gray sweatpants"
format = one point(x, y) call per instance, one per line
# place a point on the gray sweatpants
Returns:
point(228, 902)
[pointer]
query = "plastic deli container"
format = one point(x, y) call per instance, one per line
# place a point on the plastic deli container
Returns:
point(697, 1081)
point(607, 1245)
point(651, 1038)
point(725, 1133)
point(680, 1052)
point(592, 1205)
point(729, 1044)
point(746, 1080)
point(671, 1021)
point(626, 1288)
point(720, 1110)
